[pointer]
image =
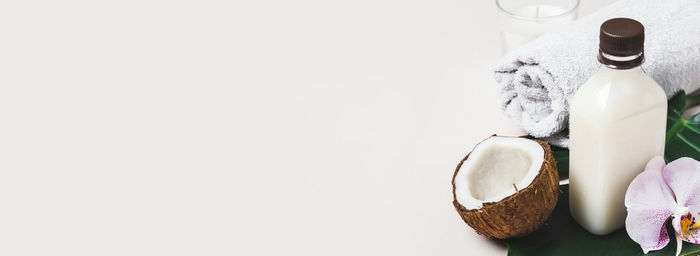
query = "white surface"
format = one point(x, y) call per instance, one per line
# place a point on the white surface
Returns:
point(242, 128)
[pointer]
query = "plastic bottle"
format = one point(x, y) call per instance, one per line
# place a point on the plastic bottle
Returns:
point(617, 124)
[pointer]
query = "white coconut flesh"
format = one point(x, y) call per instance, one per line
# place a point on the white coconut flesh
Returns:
point(496, 168)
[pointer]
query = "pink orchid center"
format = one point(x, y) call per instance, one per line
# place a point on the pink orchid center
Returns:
point(688, 225)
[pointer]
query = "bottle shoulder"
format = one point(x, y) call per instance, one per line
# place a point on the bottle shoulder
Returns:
point(615, 95)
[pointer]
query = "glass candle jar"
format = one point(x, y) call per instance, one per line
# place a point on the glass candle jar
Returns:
point(522, 21)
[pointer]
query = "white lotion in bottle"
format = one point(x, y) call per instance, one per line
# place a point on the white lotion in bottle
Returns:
point(617, 124)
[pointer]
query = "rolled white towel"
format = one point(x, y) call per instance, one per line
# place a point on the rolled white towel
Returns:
point(537, 81)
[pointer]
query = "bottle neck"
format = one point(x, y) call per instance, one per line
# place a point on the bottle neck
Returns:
point(634, 70)
point(620, 62)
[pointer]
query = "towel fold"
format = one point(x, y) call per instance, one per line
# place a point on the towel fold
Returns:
point(537, 81)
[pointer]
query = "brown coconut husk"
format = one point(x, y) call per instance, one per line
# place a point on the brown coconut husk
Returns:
point(518, 214)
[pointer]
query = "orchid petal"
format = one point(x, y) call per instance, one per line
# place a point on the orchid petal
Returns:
point(649, 203)
point(683, 176)
point(676, 223)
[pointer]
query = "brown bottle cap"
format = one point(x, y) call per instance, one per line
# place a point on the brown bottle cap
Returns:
point(621, 37)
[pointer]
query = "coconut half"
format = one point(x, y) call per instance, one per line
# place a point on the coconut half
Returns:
point(506, 187)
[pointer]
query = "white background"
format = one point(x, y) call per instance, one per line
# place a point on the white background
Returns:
point(242, 127)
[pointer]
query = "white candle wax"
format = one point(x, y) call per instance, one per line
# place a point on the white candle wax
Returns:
point(530, 22)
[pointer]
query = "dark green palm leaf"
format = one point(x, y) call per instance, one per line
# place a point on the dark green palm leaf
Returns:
point(561, 235)
point(682, 136)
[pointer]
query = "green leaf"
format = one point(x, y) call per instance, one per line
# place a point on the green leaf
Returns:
point(682, 136)
point(561, 235)
point(561, 155)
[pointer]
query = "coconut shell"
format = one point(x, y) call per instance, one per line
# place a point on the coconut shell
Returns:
point(518, 214)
